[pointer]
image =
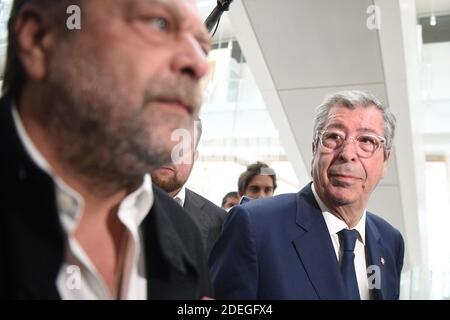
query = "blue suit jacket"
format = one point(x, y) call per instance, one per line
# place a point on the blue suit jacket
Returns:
point(280, 248)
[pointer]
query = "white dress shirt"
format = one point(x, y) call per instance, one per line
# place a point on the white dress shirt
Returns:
point(181, 196)
point(78, 278)
point(334, 225)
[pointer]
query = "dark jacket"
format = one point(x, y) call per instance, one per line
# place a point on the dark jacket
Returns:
point(208, 217)
point(32, 239)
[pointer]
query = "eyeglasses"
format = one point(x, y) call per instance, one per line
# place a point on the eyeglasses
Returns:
point(366, 144)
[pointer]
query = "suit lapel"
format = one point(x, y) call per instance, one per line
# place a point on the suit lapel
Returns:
point(169, 262)
point(315, 249)
point(375, 254)
point(162, 227)
point(194, 206)
point(190, 201)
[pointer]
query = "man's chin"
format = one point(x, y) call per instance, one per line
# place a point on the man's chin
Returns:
point(343, 198)
point(168, 185)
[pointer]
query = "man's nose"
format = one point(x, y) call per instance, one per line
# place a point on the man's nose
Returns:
point(191, 59)
point(259, 194)
point(349, 150)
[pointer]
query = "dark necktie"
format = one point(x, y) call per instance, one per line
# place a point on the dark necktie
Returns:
point(348, 241)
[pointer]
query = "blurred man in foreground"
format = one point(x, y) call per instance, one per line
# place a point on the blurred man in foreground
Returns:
point(85, 116)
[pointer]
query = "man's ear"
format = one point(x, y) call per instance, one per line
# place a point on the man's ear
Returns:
point(33, 38)
point(314, 149)
point(196, 155)
point(385, 164)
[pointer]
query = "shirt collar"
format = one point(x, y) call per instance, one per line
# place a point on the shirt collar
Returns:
point(181, 195)
point(31, 149)
point(132, 211)
point(334, 224)
point(136, 206)
point(70, 203)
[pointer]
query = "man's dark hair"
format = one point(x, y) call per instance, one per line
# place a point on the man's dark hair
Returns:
point(14, 76)
point(231, 194)
point(255, 169)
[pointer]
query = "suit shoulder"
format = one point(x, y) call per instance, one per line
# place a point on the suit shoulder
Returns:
point(269, 210)
point(212, 208)
point(383, 226)
point(273, 203)
point(178, 216)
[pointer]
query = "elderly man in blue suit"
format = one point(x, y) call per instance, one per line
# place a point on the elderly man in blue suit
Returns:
point(320, 243)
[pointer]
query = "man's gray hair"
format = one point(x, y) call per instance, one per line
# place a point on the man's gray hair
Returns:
point(352, 99)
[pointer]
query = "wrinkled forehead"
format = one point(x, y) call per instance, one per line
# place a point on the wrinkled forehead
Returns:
point(359, 118)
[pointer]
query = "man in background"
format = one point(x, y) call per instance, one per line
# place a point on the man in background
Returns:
point(86, 114)
point(230, 200)
point(172, 179)
point(257, 181)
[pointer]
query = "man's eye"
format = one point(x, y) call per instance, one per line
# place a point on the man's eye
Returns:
point(159, 23)
point(367, 140)
point(333, 136)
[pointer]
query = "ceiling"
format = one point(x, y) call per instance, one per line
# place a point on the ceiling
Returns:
point(423, 8)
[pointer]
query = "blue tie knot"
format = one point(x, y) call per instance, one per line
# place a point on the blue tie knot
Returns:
point(348, 239)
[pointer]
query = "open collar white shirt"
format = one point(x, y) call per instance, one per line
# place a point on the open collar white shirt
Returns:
point(181, 196)
point(78, 277)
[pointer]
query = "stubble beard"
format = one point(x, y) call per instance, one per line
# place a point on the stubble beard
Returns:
point(97, 131)
point(169, 184)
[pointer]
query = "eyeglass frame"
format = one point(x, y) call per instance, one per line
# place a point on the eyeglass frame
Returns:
point(381, 142)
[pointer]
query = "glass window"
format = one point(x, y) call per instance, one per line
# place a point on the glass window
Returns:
point(237, 127)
